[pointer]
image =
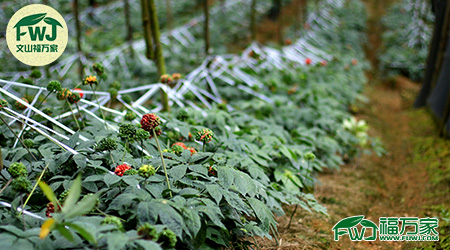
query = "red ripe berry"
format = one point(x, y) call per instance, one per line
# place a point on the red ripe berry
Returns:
point(308, 61)
point(323, 63)
point(193, 151)
point(165, 79)
point(288, 41)
point(50, 209)
point(150, 121)
point(180, 144)
point(77, 90)
point(120, 170)
point(354, 61)
point(21, 106)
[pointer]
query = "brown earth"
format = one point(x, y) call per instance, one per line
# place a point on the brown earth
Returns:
point(395, 185)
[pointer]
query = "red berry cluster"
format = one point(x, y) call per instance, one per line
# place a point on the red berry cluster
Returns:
point(180, 144)
point(50, 209)
point(150, 121)
point(120, 170)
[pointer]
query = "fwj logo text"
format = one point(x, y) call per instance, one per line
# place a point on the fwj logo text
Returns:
point(389, 229)
point(37, 35)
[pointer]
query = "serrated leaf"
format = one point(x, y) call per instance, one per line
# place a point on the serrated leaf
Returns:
point(111, 179)
point(131, 180)
point(83, 207)
point(30, 20)
point(64, 232)
point(73, 196)
point(116, 241)
point(49, 193)
point(178, 172)
point(349, 222)
point(83, 232)
point(148, 244)
point(146, 212)
point(215, 191)
point(80, 160)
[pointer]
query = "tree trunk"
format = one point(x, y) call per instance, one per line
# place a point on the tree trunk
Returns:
point(129, 29)
point(159, 57)
point(253, 20)
point(206, 28)
point(78, 38)
point(146, 25)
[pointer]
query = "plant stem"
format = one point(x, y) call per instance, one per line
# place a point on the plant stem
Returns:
point(204, 146)
point(112, 159)
point(142, 152)
point(34, 188)
point(43, 100)
point(73, 114)
point(292, 215)
point(6, 185)
point(101, 111)
point(162, 160)
point(81, 115)
point(20, 139)
point(125, 151)
point(159, 58)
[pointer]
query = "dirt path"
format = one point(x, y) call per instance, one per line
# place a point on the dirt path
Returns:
point(393, 185)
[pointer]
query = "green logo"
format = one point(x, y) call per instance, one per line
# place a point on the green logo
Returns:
point(389, 229)
point(37, 35)
point(37, 31)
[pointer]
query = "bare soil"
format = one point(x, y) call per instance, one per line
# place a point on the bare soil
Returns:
point(395, 185)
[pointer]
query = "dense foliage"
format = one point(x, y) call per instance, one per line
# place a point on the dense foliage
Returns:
point(194, 178)
point(407, 39)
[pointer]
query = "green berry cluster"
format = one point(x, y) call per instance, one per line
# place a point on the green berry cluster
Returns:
point(127, 131)
point(204, 135)
point(21, 184)
point(177, 149)
point(74, 97)
point(141, 135)
point(35, 74)
point(130, 115)
point(113, 220)
point(17, 169)
point(148, 232)
point(106, 144)
point(183, 115)
point(54, 86)
point(131, 171)
point(167, 238)
point(309, 156)
point(146, 171)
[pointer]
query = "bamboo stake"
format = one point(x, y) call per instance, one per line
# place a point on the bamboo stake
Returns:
point(159, 57)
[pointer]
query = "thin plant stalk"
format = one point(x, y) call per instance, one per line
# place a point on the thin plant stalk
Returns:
point(6, 185)
point(43, 100)
point(34, 188)
point(73, 114)
point(204, 146)
point(125, 151)
point(292, 216)
point(112, 159)
point(142, 152)
point(162, 160)
point(20, 139)
point(81, 115)
point(98, 103)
